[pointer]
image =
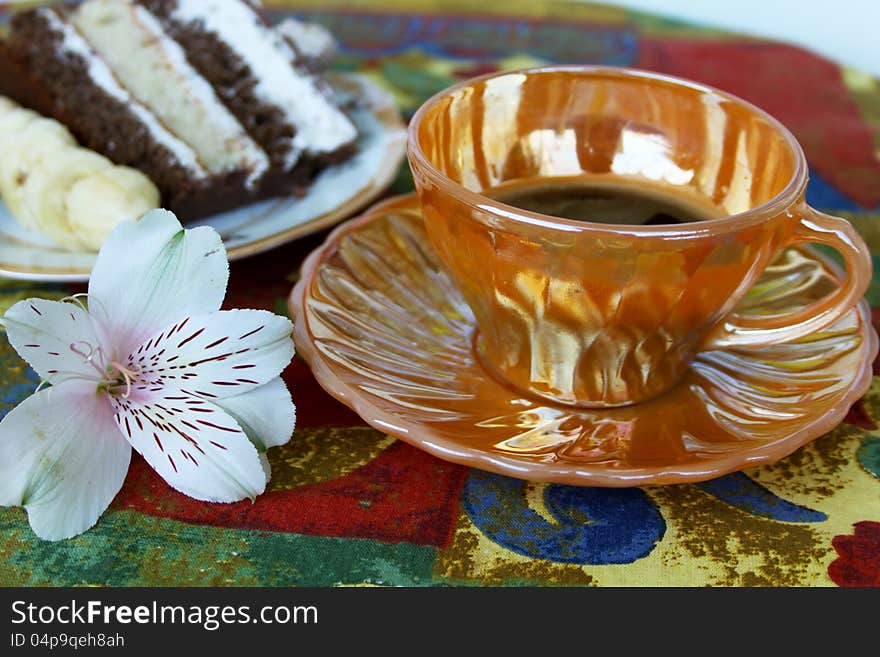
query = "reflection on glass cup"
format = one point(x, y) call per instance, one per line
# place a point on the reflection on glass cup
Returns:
point(596, 313)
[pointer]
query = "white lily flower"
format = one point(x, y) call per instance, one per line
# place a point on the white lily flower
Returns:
point(151, 363)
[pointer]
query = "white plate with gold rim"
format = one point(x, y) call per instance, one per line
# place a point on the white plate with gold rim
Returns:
point(337, 193)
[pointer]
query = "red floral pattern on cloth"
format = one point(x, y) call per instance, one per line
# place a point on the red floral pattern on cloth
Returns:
point(859, 560)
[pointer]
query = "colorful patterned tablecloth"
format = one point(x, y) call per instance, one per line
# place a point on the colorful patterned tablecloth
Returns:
point(348, 505)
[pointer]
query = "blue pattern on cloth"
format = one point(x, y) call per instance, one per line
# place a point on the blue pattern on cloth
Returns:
point(593, 525)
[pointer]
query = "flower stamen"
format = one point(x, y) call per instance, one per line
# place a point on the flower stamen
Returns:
point(88, 356)
point(127, 375)
point(76, 300)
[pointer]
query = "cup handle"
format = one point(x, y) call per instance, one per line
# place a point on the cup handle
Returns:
point(737, 330)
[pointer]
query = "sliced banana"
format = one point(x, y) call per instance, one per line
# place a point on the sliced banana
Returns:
point(13, 120)
point(44, 198)
point(12, 123)
point(72, 195)
point(100, 201)
point(28, 130)
point(23, 155)
point(7, 104)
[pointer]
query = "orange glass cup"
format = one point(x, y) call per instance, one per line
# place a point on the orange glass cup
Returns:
point(598, 314)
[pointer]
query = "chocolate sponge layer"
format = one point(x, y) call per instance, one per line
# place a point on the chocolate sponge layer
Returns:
point(231, 79)
point(235, 84)
point(36, 72)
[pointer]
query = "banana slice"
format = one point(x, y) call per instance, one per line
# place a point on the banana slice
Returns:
point(72, 195)
point(23, 127)
point(14, 120)
point(44, 197)
point(7, 104)
point(23, 154)
point(100, 201)
point(12, 123)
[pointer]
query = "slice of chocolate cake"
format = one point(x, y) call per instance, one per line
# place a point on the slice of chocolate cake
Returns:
point(254, 69)
point(50, 67)
point(154, 68)
point(205, 98)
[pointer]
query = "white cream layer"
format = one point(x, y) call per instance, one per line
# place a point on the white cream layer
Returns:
point(101, 75)
point(320, 126)
point(313, 41)
point(153, 67)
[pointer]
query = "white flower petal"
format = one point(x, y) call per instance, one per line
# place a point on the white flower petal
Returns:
point(215, 355)
point(267, 467)
point(266, 414)
point(54, 337)
point(62, 458)
point(194, 445)
point(151, 274)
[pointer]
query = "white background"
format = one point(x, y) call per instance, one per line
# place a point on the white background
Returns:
point(847, 31)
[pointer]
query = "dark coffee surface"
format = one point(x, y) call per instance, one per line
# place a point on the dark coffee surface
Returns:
point(601, 203)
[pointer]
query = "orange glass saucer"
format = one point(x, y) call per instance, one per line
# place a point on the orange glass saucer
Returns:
point(386, 332)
